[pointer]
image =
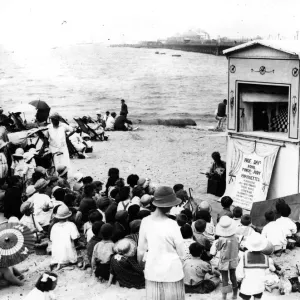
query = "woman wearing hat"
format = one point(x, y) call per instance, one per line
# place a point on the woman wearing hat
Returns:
point(252, 267)
point(57, 141)
point(161, 238)
point(18, 165)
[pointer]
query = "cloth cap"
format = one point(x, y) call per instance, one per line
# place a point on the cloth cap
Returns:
point(102, 202)
point(41, 170)
point(204, 205)
point(164, 196)
point(126, 247)
point(41, 183)
point(226, 227)
point(28, 156)
point(26, 205)
point(77, 186)
point(78, 176)
point(62, 212)
point(121, 215)
point(256, 242)
point(146, 200)
point(2, 144)
point(62, 170)
point(141, 181)
point(30, 190)
point(19, 152)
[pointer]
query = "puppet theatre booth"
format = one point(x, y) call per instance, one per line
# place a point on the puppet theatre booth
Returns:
point(263, 142)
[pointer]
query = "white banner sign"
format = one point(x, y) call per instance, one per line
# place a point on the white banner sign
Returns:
point(251, 165)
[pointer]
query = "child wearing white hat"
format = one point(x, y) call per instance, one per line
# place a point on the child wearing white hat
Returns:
point(228, 246)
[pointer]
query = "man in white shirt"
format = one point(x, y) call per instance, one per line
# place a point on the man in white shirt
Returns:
point(273, 232)
point(288, 226)
point(110, 122)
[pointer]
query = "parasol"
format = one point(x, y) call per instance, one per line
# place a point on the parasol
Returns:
point(24, 107)
point(39, 104)
point(15, 242)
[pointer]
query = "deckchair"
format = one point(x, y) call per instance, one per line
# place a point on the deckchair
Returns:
point(72, 150)
point(88, 130)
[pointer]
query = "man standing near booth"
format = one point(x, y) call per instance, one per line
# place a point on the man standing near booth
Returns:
point(221, 114)
point(124, 109)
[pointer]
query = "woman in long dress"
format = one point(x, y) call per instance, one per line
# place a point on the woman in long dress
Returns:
point(57, 142)
point(161, 246)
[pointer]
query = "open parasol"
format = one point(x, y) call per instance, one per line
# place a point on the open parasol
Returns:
point(39, 104)
point(15, 242)
point(23, 108)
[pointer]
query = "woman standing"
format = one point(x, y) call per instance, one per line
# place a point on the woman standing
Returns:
point(57, 141)
point(161, 237)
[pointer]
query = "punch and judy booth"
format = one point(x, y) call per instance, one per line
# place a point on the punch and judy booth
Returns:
point(263, 149)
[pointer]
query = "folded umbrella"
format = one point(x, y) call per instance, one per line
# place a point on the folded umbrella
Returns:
point(15, 242)
point(39, 104)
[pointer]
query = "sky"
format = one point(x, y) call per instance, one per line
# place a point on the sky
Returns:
point(32, 23)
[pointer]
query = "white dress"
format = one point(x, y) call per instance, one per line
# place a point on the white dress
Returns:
point(36, 294)
point(62, 236)
point(58, 143)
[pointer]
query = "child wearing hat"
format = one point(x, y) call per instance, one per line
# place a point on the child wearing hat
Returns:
point(244, 230)
point(63, 234)
point(123, 266)
point(199, 277)
point(29, 218)
point(18, 165)
point(228, 246)
point(30, 164)
point(252, 268)
point(102, 253)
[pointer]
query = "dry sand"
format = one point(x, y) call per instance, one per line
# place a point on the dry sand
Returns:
point(167, 155)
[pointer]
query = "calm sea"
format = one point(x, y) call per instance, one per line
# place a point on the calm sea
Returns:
point(80, 79)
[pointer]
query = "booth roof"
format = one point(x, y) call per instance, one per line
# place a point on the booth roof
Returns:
point(288, 46)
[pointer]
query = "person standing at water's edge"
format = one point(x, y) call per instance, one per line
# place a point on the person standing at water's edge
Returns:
point(221, 113)
point(124, 108)
point(57, 141)
point(161, 246)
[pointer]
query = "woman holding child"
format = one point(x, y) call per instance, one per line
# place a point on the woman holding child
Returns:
point(161, 238)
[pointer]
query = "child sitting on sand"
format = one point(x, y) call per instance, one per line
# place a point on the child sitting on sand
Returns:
point(187, 234)
point(10, 276)
point(228, 246)
point(181, 220)
point(210, 229)
point(44, 288)
point(198, 230)
point(244, 230)
point(102, 253)
point(63, 234)
point(196, 271)
point(237, 214)
point(94, 216)
point(226, 202)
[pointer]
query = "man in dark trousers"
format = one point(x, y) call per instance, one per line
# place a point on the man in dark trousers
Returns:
point(221, 114)
point(124, 108)
point(120, 123)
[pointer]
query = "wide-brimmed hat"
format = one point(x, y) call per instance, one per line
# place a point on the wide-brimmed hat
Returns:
point(164, 196)
point(62, 212)
point(28, 156)
point(141, 181)
point(30, 190)
point(54, 189)
point(204, 205)
point(256, 242)
point(26, 205)
point(226, 227)
point(146, 200)
point(19, 152)
point(77, 186)
point(41, 170)
point(2, 144)
point(62, 170)
point(41, 183)
point(78, 176)
point(126, 247)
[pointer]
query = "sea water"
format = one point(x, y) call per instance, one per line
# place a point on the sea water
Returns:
point(77, 80)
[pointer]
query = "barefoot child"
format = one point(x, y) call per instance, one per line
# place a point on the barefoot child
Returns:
point(228, 246)
point(44, 288)
point(63, 234)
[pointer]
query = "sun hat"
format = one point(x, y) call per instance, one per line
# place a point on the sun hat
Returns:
point(19, 152)
point(28, 156)
point(126, 247)
point(256, 242)
point(62, 212)
point(41, 170)
point(164, 196)
point(30, 190)
point(78, 176)
point(77, 186)
point(2, 144)
point(146, 200)
point(246, 220)
point(204, 205)
point(41, 183)
point(226, 227)
point(141, 181)
point(26, 205)
point(13, 219)
point(62, 170)
point(54, 189)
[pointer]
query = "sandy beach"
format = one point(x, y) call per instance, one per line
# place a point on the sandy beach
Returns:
point(167, 155)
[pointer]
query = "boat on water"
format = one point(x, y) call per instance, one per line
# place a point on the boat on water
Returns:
point(176, 55)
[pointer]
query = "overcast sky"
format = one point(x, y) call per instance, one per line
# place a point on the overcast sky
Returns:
point(39, 22)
